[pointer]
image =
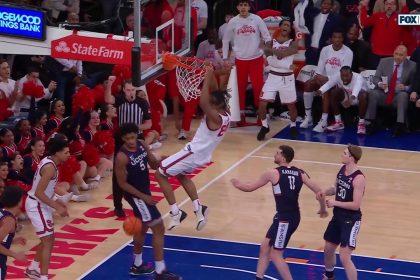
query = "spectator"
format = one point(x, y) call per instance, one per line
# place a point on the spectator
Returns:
point(332, 58)
point(360, 48)
point(394, 79)
point(247, 30)
point(129, 24)
point(110, 12)
point(222, 28)
point(349, 12)
point(151, 135)
point(207, 48)
point(60, 8)
point(22, 134)
point(412, 33)
point(33, 155)
point(202, 15)
point(348, 88)
point(68, 79)
point(7, 85)
point(321, 24)
point(108, 115)
point(38, 122)
point(414, 111)
point(386, 34)
point(57, 110)
point(7, 144)
point(23, 102)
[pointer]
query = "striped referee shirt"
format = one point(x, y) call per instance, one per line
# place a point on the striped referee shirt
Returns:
point(136, 111)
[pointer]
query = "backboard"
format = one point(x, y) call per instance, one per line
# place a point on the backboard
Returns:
point(165, 27)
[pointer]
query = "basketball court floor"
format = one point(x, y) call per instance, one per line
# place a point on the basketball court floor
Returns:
point(91, 244)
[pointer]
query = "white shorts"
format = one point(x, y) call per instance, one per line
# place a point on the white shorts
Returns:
point(41, 217)
point(284, 85)
point(183, 162)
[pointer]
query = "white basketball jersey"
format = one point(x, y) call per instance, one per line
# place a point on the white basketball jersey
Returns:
point(206, 140)
point(284, 64)
point(49, 191)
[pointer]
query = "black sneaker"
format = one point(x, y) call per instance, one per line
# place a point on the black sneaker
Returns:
point(294, 133)
point(167, 276)
point(263, 131)
point(119, 212)
point(143, 269)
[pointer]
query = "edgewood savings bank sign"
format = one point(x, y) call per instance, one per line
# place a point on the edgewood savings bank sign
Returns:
point(22, 22)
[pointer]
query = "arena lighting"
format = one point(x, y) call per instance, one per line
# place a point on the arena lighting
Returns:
point(24, 22)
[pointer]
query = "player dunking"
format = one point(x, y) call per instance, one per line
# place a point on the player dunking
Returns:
point(280, 53)
point(196, 153)
point(11, 202)
point(286, 183)
point(345, 223)
point(40, 205)
point(133, 177)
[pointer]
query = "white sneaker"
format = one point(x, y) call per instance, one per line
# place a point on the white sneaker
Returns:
point(65, 198)
point(306, 122)
point(320, 127)
point(335, 126)
point(155, 145)
point(80, 197)
point(361, 129)
point(182, 135)
point(175, 220)
point(32, 274)
point(201, 215)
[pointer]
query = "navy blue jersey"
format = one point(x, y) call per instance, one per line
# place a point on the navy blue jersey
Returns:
point(7, 241)
point(286, 191)
point(344, 192)
point(137, 170)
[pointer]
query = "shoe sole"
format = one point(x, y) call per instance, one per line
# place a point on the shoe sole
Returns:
point(139, 274)
point(183, 217)
point(34, 277)
point(202, 224)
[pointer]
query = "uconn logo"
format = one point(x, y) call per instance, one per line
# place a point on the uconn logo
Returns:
point(407, 19)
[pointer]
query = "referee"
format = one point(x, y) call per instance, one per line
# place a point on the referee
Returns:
point(130, 109)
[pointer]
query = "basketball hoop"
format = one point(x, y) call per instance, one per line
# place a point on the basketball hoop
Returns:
point(190, 72)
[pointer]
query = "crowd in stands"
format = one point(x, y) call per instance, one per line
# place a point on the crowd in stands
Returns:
point(41, 96)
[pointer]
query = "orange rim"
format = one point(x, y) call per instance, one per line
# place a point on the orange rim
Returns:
point(171, 61)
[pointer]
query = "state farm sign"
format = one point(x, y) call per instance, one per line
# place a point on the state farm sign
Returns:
point(92, 49)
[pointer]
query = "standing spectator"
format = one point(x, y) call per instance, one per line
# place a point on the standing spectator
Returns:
point(202, 14)
point(222, 28)
point(394, 79)
point(131, 109)
point(207, 48)
point(349, 12)
point(60, 8)
point(321, 24)
point(247, 30)
point(386, 34)
point(360, 48)
point(332, 58)
point(68, 79)
point(414, 113)
point(110, 11)
point(7, 85)
point(412, 33)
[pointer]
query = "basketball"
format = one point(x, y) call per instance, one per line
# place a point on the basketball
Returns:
point(132, 225)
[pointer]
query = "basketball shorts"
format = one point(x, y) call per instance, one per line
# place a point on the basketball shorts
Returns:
point(284, 225)
point(41, 217)
point(183, 162)
point(343, 231)
point(284, 85)
point(145, 212)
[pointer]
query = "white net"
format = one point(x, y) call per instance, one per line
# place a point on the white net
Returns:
point(189, 75)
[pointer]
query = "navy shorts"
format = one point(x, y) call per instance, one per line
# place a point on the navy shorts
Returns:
point(284, 225)
point(343, 231)
point(145, 212)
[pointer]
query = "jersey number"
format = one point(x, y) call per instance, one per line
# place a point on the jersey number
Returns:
point(292, 182)
point(342, 193)
point(142, 166)
point(223, 129)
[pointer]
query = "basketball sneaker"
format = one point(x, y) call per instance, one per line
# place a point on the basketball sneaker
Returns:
point(335, 126)
point(320, 127)
point(32, 274)
point(143, 269)
point(175, 220)
point(263, 131)
point(361, 129)
point(201, 215)
point(166, 275)
point(306, 122)
point(182, 135)
point(324, 277)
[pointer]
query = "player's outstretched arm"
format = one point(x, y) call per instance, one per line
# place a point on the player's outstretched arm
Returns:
point(318, 192)
point(268, 176)
point(209, 84)
point(121, 162)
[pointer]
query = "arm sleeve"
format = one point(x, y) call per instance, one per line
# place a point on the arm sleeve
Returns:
point(366, 20)
point(265, 34)
point(331, 82)
point(321, 62)
point(227, 37)
point(65, 62)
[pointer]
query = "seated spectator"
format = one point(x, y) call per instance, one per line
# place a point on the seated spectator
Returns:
point(129, 25)
point(15, 177)
point(7, 144)
point(348, 88)
point(332, 58)
point(394, 79)
point(57, 110)
point(360, 48)
point(38, 121)
point(386, 33)
point(22, 134)
point(108, 116)
point(4, 171)
point(321, 24)
point(23, 102)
